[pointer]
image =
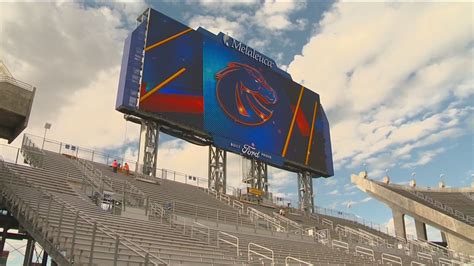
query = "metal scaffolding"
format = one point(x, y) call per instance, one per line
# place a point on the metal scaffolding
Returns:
point(256, 174)
point(217, 169)
point(305, 192)
point(148, 151)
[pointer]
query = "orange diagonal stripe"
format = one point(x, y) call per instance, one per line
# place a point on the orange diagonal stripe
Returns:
point(311, 134)
point(162, 84)
point(290, 131)
point(167, 39)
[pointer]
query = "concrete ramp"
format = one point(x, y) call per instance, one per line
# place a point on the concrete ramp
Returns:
point(15, 104)
point(459, 233)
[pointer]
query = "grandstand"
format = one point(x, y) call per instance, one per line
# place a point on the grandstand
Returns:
point(64, 203)
point(450, 210)
point(15, 104)
point(68, 201)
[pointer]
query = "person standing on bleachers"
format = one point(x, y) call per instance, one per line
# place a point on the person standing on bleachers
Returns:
point(126, 168)
point(114, 166)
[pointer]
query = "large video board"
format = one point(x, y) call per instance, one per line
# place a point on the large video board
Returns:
point(230, 92)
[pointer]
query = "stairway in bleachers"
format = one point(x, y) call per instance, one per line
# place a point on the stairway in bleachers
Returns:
point(168, 240)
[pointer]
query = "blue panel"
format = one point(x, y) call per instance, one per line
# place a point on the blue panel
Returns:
point(172, 76)
point(129, 83)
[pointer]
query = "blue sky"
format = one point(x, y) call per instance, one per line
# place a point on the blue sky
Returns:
point(396, 81)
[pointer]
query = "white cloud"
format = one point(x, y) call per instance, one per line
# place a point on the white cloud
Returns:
point(350, 203)
point(274, 15)
point(349, 186)
point(425, 157)
point(238, 18)
point(72, 54)
point(330, 182)
point(216, 24)
point(94, 116)
point(386, 85)
point(334, 192)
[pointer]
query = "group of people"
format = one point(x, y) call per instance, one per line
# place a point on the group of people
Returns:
point(117, 167)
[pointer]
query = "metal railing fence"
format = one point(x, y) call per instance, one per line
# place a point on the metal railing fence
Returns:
point(221, 239)
point(250, 252)
point(16, 82)
point(10, 179)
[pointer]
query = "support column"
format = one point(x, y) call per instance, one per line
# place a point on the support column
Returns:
point(217, 171)
point(420, 230)
point(399, 223)
point(4, 239)
point(148, 148)
point(30, 247)
point(44, 260)
point(256, 174)
point(305, 192)
point(443, 237)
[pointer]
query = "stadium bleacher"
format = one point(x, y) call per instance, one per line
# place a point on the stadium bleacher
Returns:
point(454, 204)
point(180, 224)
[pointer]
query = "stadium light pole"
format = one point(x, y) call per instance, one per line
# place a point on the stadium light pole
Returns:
point(46, 127)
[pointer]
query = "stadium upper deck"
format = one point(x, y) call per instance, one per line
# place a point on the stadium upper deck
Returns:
point(448, 209)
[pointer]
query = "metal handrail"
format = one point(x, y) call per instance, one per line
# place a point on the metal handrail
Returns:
point(274, 222)
point(378, 238)
point(224, 197)
point(288, 258)
point(327, 222)
point(272, 258)
point(444, 261)
point(238, 205)
point(347, 230)
point(365, 251)
point(91, 221)
point(218, 211)
point(156, 208)
point(289, 222)
point(414, 263)
point(34, 154)
point(340, 244)
point(16, 82)
point(425, 256)
point(208, 233)
point(109, 232)
point(391, 258)
point(227, 241)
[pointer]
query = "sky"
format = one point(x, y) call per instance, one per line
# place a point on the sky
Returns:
point(395, 79)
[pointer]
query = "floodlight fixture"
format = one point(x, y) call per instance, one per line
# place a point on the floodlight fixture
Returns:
point(46, 127)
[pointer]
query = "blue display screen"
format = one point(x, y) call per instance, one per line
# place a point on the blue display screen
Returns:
point(226, 90)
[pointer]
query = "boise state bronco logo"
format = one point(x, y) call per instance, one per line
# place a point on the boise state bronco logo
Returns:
point(244, 94)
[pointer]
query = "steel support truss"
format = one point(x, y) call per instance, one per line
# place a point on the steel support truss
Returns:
point(148, 152)
point(217, 169)
point(305, 192)
point(256, 175)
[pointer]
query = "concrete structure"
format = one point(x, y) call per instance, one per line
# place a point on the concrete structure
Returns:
point(62, 205)
point(456, 227)
point(15, 104)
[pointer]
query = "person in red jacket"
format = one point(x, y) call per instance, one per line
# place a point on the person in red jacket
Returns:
point(114, 166)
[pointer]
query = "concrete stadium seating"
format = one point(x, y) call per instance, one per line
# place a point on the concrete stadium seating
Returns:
point(455, 205)
point(186, 235)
